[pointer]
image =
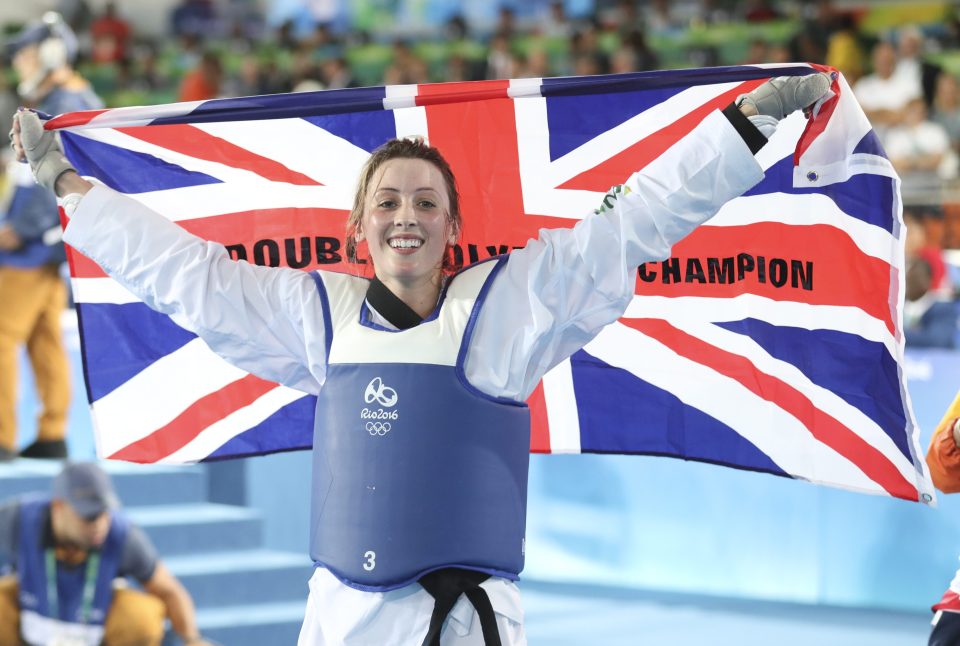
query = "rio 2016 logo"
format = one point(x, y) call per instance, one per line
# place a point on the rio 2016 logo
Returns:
point(379, 392)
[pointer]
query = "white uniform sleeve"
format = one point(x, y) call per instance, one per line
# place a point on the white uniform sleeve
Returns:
point(267, 321)
point(557, 293)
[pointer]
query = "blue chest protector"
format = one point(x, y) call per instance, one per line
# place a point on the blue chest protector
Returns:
point(67, 586)
point(414, 469)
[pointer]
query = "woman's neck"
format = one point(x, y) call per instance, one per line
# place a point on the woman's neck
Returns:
point(420, 296)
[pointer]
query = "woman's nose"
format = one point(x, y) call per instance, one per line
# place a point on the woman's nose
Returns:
point(405, 215)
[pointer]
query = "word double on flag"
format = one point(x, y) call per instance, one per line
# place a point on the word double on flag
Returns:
point(770, 341)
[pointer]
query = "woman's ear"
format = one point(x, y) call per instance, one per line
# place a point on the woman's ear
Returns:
point(454, 233)
point(358, 235)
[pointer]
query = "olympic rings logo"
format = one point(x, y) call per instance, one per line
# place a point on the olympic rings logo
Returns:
point(378, 428)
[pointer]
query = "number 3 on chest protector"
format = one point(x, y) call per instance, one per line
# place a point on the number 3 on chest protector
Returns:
point(371, 557)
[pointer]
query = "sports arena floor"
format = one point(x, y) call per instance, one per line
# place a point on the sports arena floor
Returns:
point(576, 615)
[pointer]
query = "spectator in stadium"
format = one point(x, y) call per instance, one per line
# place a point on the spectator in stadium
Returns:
point(882, 94)
point(918, 146)
point(406, 68)
point(556, 23)
point(928, 320)
point(946, 107)
point(844, 50)
point(459, 529)
point(111, 35)
point(70, 551)
point(32, 292)
point(204, 81)
point(501, 63)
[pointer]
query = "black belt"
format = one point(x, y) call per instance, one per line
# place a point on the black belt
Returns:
point(446, 586)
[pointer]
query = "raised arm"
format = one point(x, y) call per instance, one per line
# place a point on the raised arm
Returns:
point(560, 290)
point(266, 321)
point(557, 293)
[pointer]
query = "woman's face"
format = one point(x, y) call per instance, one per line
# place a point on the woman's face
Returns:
point(406, 221)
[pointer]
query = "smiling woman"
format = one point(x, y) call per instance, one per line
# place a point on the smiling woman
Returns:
point(408, 228)
point(407, 210)
point(421, 433)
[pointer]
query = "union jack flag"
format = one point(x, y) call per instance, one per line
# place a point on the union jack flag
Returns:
point(770, 341)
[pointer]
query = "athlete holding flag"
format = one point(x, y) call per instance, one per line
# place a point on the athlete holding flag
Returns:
point(422, 436)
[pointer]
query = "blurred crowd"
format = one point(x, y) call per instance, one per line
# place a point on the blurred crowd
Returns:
point(901, 58)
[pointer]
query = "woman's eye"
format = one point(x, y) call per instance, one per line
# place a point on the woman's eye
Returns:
point(387, 204)
point(426, 204)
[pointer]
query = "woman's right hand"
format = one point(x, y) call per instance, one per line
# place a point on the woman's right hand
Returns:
point(38, 147)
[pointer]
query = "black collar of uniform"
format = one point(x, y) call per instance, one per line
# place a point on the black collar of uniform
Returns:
point(390, 307)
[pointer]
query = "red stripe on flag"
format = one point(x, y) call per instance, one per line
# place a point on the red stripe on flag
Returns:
point(439, 93)
point(824, 428)
point(71, 119)
point(618, 168)
point(192, 421)
point(815, 127)
point(539, 427)
point(840, 273)
point(192, 141)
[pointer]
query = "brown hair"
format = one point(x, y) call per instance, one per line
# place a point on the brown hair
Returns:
point(408, 148)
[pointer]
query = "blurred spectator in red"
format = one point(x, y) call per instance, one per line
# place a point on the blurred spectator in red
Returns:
point(110, 34)
point(882, 94)
point(919, 243)
point(929, 321)
point(203, 81)
point(951, 234)
point(946, 106)
point(760, 11)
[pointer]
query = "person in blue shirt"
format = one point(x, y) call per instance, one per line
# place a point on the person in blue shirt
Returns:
point(31, 289)
point(67, 549)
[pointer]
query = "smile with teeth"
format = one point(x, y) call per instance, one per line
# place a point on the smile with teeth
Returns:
point(405, 243)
